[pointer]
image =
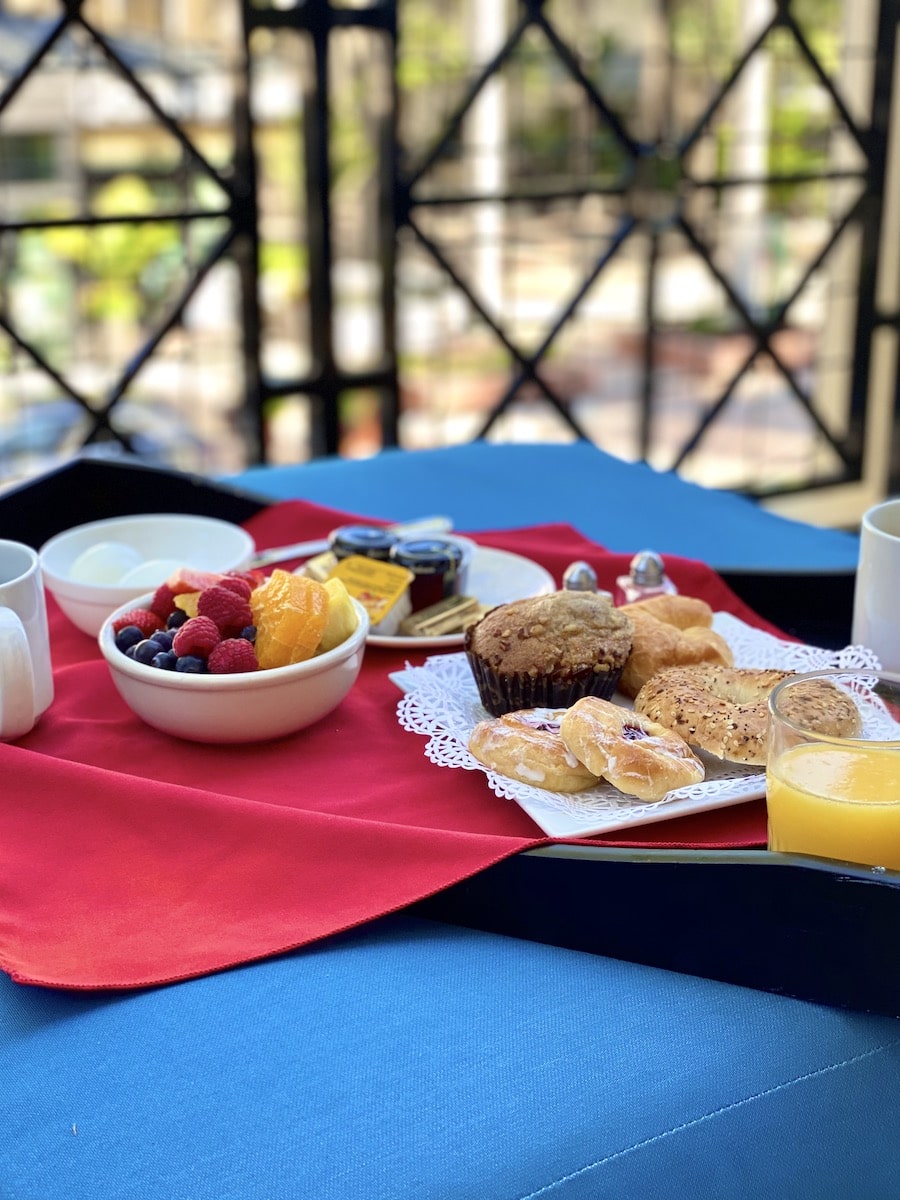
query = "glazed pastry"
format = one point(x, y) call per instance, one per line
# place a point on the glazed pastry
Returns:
point(636, 755)
point(527, 746)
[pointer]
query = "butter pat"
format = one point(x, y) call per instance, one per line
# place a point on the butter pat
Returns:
point(320, 567)
point(382, 588)
point(450, 615)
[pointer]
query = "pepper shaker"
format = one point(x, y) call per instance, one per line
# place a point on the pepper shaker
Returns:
point(646, 577)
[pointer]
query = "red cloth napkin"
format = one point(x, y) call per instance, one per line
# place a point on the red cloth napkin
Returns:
point(129, 858)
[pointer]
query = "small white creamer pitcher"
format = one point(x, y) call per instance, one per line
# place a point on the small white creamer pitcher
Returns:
point(26, 673)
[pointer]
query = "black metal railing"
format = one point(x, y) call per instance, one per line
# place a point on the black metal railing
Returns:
point(654, 191)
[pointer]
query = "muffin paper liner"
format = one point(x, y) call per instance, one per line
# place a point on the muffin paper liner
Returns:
point(503, 693)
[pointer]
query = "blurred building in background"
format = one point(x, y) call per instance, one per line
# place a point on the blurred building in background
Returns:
point(234, 231)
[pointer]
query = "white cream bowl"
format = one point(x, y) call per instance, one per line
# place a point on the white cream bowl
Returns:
point(203, 543)
point(252, 706)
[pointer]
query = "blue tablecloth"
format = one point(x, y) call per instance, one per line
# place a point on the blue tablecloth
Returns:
point(424, 1061)
point(416, 1061)
point(623, 506)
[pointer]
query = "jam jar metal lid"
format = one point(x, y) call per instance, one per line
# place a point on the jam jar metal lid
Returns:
point(427, 556)
point(369, 540)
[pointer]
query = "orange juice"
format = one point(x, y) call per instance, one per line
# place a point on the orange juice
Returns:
point(836, 802)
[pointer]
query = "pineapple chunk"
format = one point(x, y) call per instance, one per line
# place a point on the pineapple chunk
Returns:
point(342, 618)
point(187, 602)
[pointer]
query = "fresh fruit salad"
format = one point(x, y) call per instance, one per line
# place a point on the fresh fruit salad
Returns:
point(201, 622)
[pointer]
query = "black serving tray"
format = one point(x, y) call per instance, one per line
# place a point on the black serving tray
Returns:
point(815, 607)
point(91, 489)
point(801, 927)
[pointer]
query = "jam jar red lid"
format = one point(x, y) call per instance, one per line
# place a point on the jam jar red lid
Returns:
point(435, 563)
point(371, 541)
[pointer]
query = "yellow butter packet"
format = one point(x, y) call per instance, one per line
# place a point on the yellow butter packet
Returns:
point(382, 588)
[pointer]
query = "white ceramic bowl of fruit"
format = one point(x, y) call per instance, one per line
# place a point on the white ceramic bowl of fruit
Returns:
point(92, 569)
point(225, 695)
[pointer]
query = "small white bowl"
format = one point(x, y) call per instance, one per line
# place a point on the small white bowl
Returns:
point(204, 543)
point(253, 706)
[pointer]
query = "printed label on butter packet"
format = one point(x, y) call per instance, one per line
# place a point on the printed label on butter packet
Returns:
point(382, 588)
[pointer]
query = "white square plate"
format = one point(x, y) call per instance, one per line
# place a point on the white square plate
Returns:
point(441, 701)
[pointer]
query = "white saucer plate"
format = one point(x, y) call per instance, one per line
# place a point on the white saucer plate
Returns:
point(495, 577)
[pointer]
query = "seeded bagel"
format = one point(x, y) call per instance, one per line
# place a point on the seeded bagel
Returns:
point(722, 710)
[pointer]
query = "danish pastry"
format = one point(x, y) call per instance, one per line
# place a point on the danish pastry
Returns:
point(527, 746)
point(636, 755)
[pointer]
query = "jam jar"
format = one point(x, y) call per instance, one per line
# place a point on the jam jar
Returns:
point(371, 541)
point(436, 564)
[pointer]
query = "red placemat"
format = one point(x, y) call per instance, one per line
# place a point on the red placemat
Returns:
point(129, 858)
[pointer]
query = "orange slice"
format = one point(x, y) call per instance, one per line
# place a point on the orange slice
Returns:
point(290, 613)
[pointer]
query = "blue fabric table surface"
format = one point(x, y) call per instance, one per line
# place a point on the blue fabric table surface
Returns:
point(412, 1060)
point(416, 1060)
point(624, 506)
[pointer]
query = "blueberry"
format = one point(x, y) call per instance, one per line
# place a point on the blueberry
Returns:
point(176, 619)
point(190, 664)
point(130, 635)
point(163, 638)
point(248, 633)
point(166, 660)
point(143, 652)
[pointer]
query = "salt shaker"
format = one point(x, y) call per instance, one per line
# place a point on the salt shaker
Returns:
point(579, 577)
point(646, 577)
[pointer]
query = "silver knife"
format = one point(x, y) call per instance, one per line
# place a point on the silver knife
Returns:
point(265, 558)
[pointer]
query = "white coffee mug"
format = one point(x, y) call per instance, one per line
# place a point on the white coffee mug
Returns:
point(26, 672)
point(876, 601)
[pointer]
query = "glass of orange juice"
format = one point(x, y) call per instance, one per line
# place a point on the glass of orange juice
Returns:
point(833, 768)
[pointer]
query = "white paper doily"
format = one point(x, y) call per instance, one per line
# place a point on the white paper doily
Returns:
point(441, 702)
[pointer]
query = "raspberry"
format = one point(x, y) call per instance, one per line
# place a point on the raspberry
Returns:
point(229, 611)
point(231, 656)
point(145, 620)
point(163, 601)
point(255, 577)
point(196, 638)
point(236, 584)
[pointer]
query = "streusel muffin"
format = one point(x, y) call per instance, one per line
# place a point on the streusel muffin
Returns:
point(548, 651)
